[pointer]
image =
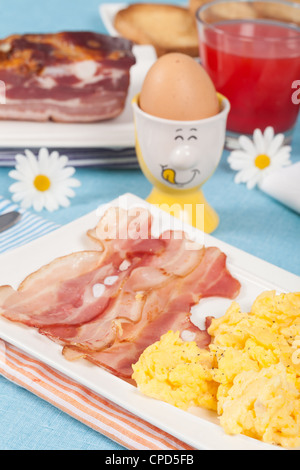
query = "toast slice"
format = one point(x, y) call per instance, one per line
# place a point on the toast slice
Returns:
point(259, 10)
point(168, 28)
point(227, 11)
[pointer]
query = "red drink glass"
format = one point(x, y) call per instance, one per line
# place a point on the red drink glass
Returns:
point(251, 50)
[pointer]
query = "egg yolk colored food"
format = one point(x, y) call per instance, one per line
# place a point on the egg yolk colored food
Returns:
point(250, 374)
point(177, 87)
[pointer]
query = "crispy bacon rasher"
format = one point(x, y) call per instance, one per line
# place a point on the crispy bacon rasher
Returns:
point(109, 304)
point(66, 77)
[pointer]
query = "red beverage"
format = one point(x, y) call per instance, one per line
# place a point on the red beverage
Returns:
point(254, 63)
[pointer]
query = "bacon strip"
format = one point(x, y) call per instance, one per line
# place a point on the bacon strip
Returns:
point(108, 305)
point(65, 77)
point(166, 309)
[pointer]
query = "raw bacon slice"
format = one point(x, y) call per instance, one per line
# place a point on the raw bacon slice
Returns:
point(61, 293)
point(45, 297)
point(147, 286)
point(119, 358)
point(144, 286)
point(118, 225)
point(166, 309)
point(66, 77)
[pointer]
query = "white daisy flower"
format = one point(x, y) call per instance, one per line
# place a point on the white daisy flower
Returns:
point(259, 157)
point(44, 181)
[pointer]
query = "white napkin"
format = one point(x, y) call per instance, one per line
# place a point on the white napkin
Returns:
point(284, 186)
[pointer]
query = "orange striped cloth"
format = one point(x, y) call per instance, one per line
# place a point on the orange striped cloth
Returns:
point(81, 403)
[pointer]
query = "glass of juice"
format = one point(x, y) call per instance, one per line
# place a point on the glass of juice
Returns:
point(251, 50)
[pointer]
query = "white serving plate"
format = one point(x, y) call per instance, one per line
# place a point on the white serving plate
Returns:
point(200, 430)
point(107, 13)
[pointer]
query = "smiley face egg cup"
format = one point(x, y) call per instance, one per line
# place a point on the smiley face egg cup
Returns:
point(178, 157)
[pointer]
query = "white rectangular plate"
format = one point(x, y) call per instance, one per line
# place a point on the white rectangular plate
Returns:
point(107, 13)
point(200, 431)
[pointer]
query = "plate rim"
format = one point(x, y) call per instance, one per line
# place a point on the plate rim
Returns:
point(118, 391)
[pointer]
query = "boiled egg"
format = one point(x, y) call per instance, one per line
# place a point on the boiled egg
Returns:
point(177, 87)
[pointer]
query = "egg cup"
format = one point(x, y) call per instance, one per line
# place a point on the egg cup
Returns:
point(178, 157)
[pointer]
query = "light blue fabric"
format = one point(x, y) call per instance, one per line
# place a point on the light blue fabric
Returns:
point(28, 228)
point(249, 220)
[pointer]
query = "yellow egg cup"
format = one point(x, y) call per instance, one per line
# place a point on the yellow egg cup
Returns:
point(178, 157)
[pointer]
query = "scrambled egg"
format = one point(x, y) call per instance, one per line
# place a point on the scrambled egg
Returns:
point(177, 372)
point(250, 375)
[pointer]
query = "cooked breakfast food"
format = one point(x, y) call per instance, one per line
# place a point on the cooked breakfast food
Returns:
point(277, 11)
point(66, 77)
point(178, 88)
point(193, 5)
point(169, 28)
point(228, 11)
point(249, 374)
point(234, 10)
point(109, 304)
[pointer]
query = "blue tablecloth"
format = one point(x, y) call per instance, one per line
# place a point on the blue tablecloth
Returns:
point(249, 220)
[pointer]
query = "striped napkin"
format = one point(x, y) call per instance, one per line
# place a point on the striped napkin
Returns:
point(27, 229)
point(108, 158)
point(78, 401)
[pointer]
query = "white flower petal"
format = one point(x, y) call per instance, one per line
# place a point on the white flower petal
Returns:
point(259, 141)
point(26, 171)
point(32, 160)
point(64, 173)
point(238, 154)
point(21, 195)
point(68, 192)
point(282, 157)
point(54, 155)
point(240, 164)
point(23, 166)
point(16, 175)
point(73, 183)
point(252, 182)
point(27, 201)
point(51, 203)
point(21, 159)
point(43, 154)
point(17, 197)
point(52, 162)
point(15, 187)
point(247, 145)
point(25, 204)
point(61, 162)
point(54, 158)
point(56, 167)
point(63, 200)
point(38, 203)
point(285, 150)
point(43, 160)
point(268, 137)
point(275, 145)
point(29, 154)
point(244, 175)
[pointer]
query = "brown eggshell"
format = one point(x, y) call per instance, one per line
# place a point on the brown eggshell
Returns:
point(178, 88)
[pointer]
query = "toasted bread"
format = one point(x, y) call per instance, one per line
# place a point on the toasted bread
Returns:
point(280, 12)
point(227, 11)
point(193, 5)
point(169, 28)
point(258, 10)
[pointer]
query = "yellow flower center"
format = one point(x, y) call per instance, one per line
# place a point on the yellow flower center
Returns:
point(262, 161)
point(41, 183)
